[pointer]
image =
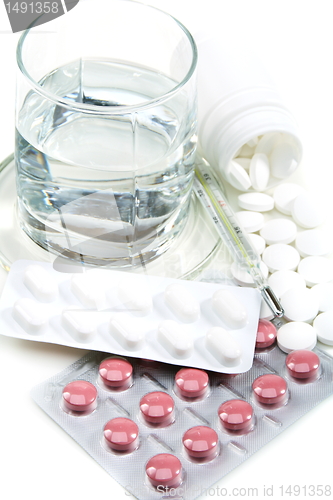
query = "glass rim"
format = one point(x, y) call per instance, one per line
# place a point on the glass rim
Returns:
point(110, 110)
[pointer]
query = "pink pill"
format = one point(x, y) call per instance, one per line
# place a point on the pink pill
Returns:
point(80, 396)
point(266, 334)
point(191, 383)
point(236, 415)
point(116, 373)
point(270, 390)
point(157, 408)
point(164, 470)
point(201, 442)
point(303, 364)
point(121, 434)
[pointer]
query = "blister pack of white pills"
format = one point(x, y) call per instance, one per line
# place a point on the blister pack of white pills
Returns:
point(206, 325)
point(165, 431)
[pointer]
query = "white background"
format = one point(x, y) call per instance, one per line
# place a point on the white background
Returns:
point(295, 42)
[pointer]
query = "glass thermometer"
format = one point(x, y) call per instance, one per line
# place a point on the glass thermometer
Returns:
point(210, 195)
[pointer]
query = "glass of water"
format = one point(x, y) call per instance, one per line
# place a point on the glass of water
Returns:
point(106, 132)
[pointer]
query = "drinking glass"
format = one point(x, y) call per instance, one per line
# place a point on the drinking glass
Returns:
point(106, 132)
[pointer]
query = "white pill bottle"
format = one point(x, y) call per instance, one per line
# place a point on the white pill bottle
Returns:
point(241, 116)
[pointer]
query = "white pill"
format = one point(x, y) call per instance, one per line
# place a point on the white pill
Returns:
point(87, 291)
point(259, 171)
point(295, 336)
point(257, 242)
point(279, 257)
point(30, 315)
point(258, 202)
point(283, 160)
point(237, 153)
point(126, 331)
point(182, 303)
point(316, 270)
point(243, 277)
point(223, 346)
point(253, 142)
point(267, 142)
point(40, 283)
point(306, 212)
point(135, 296)
point(313, 242)
point(265, 311)
point(251, 222)
point(230, 309)
point(282, 281)
point(239, 178)
point(285, 195)
point(324, 294)
point(246, 151)
point(299, 304)
point(175, 339)
point(323, 325)
point(79, 325)
point(243, 162)
point(279, 231)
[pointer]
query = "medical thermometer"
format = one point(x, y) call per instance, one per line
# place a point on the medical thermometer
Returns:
point(210, 195)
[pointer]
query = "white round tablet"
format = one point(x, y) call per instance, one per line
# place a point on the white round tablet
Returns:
point(250, 221)
point(242, 277)
point(259, 171)
point(305, 212)
point(279, 257)
point(283, 160)
point(323, 326)
point(295, 336)
point(300, 304)
point(257, 242)
point(244, 162)
point(284, 196)
point(258, 202)
point(239, 178)
point(267, 142)
point(313, 242)
point(324, 294)
point(253, 142)
point(246, 151)
point(282, 281)
point(279, 231)
point(316, 270)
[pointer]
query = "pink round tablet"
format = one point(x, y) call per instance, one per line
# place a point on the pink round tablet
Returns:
point(270, 389)
point(201, 442)
point(116, 373)
point(121, 434)
point(236, 415)
point(164, 470)
point(157, 408)
point(303, 364)
point(80, 396)
point(266, 334)
point(191, 383)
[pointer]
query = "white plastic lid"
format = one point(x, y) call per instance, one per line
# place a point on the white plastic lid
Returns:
point(237, 102)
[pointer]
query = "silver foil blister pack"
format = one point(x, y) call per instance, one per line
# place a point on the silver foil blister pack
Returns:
point(196, 423)
point(211, 326)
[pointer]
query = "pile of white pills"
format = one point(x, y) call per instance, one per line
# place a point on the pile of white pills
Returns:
point(263, 161)
point(283, 226)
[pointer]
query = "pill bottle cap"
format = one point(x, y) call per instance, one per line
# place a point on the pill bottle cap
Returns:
point(237, 102)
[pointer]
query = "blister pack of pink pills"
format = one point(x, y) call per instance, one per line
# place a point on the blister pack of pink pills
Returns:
point(165, 431)
point(206, 325)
